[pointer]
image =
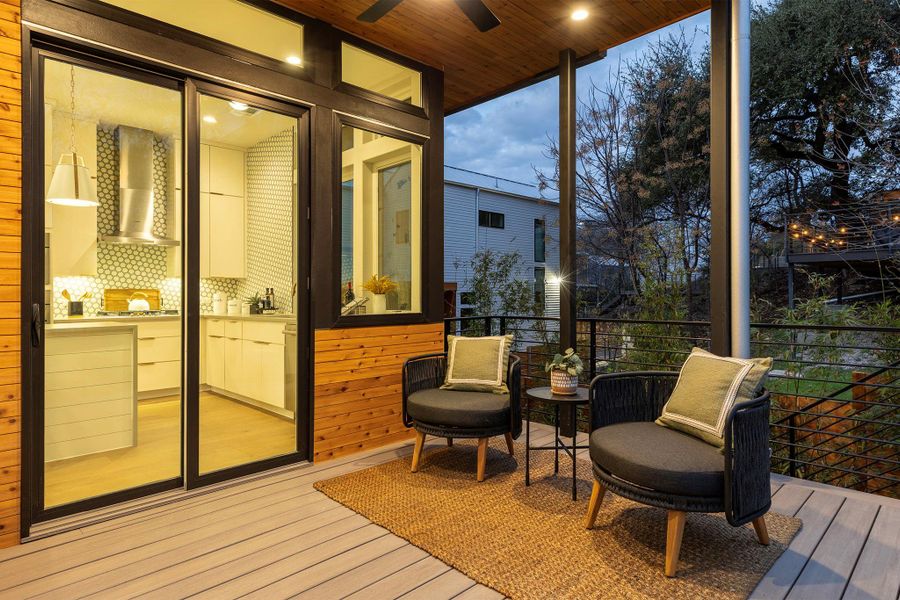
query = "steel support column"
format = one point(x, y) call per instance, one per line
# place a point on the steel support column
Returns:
point(719, 177)
point(567, 216)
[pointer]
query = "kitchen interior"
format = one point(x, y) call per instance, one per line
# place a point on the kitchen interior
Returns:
point(114, 247)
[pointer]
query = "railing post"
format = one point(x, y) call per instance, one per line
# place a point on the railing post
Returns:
point(593, 350)
point(448, 324)
point(488, 326)
point(503, 325)
point(792, 446)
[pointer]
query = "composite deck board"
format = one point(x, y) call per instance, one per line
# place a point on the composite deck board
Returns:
point(878, 568)
point(274, 536)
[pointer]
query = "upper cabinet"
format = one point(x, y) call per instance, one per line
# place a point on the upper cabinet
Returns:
point(226, 171)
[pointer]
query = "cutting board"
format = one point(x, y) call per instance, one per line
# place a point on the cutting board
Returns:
point(117, 299)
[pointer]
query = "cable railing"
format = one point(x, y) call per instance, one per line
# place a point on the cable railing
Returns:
point(835, 389)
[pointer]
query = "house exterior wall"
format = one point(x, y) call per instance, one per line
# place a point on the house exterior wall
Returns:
point(10, 273)
point(463, 237)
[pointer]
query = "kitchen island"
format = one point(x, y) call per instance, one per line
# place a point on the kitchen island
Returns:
point(90, 389)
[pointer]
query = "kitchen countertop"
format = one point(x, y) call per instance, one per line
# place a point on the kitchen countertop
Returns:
point(277, 317)
point(100, 319)
point(78, 325)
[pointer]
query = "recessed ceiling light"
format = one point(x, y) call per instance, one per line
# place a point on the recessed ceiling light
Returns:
point(238, 105)
point(209, 119)
point(293, 60)
point(579, 14)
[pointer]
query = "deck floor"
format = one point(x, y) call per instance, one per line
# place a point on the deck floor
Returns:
point(276, 537)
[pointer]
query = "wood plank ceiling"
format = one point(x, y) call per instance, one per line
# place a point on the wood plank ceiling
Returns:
point(478, 65)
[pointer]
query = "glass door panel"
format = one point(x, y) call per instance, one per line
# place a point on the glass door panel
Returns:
point(112, 408)
point(248, 333)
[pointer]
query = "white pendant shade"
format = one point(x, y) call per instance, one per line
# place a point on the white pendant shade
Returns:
point(71, 184)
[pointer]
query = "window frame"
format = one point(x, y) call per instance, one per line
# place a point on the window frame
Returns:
point(490, 214)
point(306, 71)
point(543, 246)
point(354, 90)
point(428, 220)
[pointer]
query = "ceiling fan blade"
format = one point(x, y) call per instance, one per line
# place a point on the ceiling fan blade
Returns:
point(378, 10)
point(479, 14)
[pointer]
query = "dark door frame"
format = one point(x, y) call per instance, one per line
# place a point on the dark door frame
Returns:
point(302, 251)
point(32, 491)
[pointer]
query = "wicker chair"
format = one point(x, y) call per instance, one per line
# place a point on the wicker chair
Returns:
point(637, 459)
point(456, 414)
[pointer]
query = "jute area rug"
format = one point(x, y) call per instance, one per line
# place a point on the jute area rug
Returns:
point(530, 542)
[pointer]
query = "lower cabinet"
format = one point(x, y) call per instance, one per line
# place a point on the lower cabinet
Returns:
point(159, 356)
point(246, 359)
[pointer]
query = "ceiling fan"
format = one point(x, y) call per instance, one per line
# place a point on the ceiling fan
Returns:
point(476, 10)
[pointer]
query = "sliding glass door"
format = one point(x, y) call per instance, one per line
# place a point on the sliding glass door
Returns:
point(136, 383)
point(111, 418)
point(247, 280)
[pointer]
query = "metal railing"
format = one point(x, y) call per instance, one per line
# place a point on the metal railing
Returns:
point(835, 390)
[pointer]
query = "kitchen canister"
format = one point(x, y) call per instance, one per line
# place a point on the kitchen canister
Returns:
point(234, 307)
point(219, 305)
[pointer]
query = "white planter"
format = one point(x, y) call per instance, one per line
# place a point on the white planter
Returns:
point(379, 304)
point(563, 383)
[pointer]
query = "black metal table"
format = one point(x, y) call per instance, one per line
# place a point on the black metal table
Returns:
point(544, 394)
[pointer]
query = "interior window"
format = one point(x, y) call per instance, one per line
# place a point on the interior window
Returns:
point(381, 246)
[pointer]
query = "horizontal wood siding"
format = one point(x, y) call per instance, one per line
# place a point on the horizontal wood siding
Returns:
point(357, 379)
point(10, 269)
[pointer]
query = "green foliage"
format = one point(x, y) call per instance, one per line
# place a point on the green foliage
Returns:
point(568, 362)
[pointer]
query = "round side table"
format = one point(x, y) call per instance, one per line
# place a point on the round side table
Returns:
point(544, 394)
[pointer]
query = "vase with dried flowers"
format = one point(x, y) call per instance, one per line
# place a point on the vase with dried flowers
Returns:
point(378, 286)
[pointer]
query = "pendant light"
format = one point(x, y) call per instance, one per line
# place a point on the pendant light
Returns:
point(71, 184)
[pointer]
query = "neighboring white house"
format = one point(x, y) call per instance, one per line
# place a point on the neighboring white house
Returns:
point(483, 211)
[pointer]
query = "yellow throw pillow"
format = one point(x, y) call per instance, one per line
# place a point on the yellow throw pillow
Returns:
point(707, 389)
point(478, 364)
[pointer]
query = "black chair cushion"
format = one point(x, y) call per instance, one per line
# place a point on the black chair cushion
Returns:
point(660, 459)
point(452, 408)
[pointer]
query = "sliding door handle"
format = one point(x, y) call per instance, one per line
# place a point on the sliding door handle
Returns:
point(36, 325)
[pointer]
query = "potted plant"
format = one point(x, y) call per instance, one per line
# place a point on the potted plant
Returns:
point(564, 370)
point(378, 287)
point(255, 303)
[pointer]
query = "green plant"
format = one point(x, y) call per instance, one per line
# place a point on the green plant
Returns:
point(568, 362)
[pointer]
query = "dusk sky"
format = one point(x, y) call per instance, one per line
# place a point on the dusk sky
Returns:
point(507, 137)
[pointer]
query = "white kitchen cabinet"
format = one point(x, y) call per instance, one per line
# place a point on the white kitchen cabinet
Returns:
point(234, 365)
point(245, 358)
point(89, 390)
point(215, 361)
point(204, 168)
point(227, 221)
point(226, 171)
point(204, 234)
point(159, 357)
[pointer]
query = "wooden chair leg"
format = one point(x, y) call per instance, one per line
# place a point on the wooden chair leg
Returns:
point(509, 444)
point(674, 533)
point(417, 450)
point(759, 524)
point(482, 457)
point(594, 506)
point(449, 442)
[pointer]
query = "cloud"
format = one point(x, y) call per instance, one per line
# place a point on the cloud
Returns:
point(508, 136)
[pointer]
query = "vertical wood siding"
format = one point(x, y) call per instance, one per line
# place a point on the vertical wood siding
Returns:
point(10, 273)
point(357, 385)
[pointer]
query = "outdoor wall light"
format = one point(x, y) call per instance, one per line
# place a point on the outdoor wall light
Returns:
point(554, 279)
point(579, 14)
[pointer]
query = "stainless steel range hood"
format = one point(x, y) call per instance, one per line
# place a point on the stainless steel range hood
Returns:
point(136, 190)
